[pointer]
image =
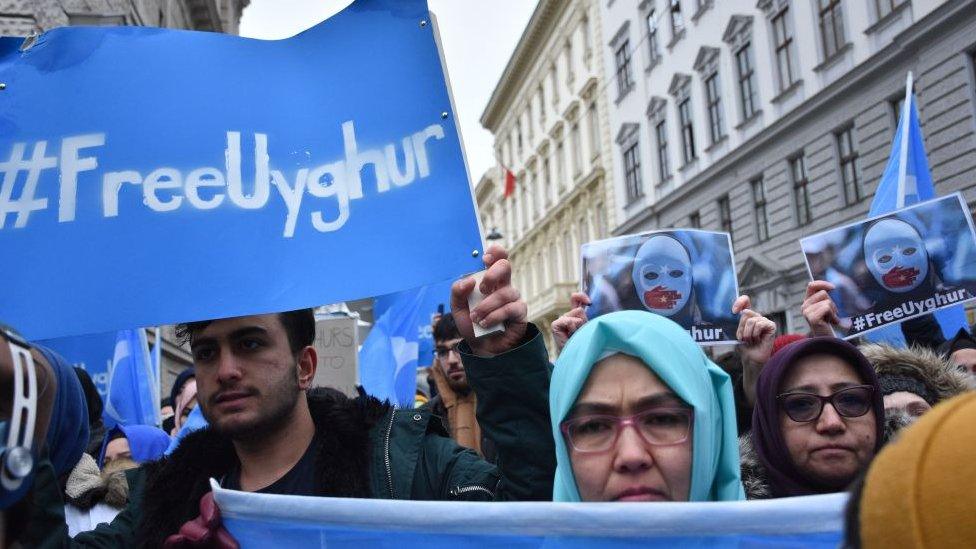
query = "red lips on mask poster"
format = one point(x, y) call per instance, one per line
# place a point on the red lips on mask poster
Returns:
point(660, 297)
point(900, 277)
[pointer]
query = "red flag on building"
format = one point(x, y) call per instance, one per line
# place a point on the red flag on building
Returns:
point(509, 183)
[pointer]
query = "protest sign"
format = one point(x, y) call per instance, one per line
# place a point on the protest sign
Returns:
point(337, 346)
point(898, 266)
point(686, 275)
point(154, 176)
point(261, 520)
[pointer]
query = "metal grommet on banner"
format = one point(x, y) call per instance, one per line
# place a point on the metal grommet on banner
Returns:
point(423, 22)
point(3, 86)
point(444, 115)
point(417, 417)
point(475, 253)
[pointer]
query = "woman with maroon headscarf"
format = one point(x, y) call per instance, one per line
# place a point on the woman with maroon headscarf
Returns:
point(817, 423)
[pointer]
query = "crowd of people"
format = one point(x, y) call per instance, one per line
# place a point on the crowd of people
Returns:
point(632, 409)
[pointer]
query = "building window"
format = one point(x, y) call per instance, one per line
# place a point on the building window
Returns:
point(625, 80)
point(518, 138)
point(716, 125)
point(542, 107)
point(594, 128)
point(561, 183)
point(687, 130)
point(654, 52)
point(885, 7)
point(694, 220)
point(599, 221)
point(577, 156)
point(632, 174)
point(831, 26)
point(547, 182)
point(785, 54)
point(725, 215)
point(847, 152)
point(677, 20)
point(528, 121)
point(759, 203)
point(801, 195)
point(747, 81)
point(663, 165)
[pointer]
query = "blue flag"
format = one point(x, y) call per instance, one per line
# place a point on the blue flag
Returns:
point(906, 181)
point(261, 520)
point(436, 295)
point(131, 398)
point(388, 358)
point(305, 161)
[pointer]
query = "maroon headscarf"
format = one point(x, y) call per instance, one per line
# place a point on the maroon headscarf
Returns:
point(767, 438)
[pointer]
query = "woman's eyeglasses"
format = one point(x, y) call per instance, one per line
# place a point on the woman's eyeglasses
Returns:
point(806, 407)
point(599, 433)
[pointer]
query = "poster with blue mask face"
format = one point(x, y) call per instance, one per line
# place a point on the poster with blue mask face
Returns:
point(898, 266)
point(687, 275)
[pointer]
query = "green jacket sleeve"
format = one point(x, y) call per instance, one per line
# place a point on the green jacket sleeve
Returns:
point(46, 524)
point(512, 390)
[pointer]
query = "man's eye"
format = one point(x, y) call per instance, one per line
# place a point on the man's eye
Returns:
point(651, 275)
point(884, 259)
point(204, 354)
point(250, 344)
point(677, 273)
point(908, 251)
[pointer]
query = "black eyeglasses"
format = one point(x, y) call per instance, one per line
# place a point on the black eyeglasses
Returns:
point(599, 433)
point(806, 407)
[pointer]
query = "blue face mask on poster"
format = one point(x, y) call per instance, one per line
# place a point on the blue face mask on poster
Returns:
point(662, 275)
point(16, 434)
point(895, 255)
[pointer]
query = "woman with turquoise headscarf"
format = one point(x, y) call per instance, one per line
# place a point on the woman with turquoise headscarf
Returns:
point(639, 413)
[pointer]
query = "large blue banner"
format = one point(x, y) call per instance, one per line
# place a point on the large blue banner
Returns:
point(151, 176)
point(263, 520)
point(92, 353)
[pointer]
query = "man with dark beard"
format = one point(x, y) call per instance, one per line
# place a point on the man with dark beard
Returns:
point(455, 403)
point(269, 433)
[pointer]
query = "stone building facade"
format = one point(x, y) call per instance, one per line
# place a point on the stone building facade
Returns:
point(548, 115)
point(774, 119)
point(25, 17)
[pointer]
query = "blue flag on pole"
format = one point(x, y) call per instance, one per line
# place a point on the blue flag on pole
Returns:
point(906, 181)
point(389, 356)
point(131, 396)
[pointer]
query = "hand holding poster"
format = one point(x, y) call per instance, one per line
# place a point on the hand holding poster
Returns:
point(898, 266)
point(686, 275)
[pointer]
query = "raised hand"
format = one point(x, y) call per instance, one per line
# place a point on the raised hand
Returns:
point(819, 309)
point(502, 303)
point(566, 325)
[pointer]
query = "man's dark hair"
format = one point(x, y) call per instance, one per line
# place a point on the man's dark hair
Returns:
point(446, 329)
point(299, 325)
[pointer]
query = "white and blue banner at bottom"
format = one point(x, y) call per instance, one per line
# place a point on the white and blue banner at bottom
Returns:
point(266, 520)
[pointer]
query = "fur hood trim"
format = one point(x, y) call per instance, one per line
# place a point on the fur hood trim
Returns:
point(940, 377)
point(754, 478)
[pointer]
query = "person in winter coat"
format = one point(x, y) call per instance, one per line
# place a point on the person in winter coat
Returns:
point(912, 382)
point(455, 403)
point(918, 492)
point(818, 420)
point(639, 413)
point(268, 433)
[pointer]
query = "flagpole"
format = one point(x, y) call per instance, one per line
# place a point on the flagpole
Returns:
point(906, 111)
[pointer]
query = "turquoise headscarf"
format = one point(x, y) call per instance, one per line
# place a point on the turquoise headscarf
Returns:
point(668, 350)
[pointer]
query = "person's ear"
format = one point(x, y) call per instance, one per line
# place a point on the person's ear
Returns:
point(307, 364)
